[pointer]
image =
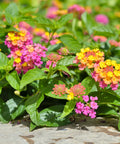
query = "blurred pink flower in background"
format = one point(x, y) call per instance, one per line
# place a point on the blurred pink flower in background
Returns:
point(101, 18)
point(51, 12)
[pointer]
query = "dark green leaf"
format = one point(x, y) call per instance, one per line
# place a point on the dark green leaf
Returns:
point(49, 117)
point(33, 102)
point(32, 75)
point(106, 110)
point(106, 98)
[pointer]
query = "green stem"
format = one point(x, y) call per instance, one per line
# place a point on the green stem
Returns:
point(73, 25)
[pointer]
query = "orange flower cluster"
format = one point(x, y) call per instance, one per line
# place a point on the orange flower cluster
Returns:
point(107, 72)
point(88, 58)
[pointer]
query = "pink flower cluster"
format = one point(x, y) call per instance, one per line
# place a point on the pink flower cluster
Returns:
point(63, 51)
point(77, 10)
point(114, 43)
point(18, 40)
point(88, 107)
point(59, 89)
point(53, 58)
point(101, 18)
point(29, 57)
point(100, 38)
point(26, 26)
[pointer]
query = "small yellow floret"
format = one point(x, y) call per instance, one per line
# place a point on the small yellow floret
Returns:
point(17, 60)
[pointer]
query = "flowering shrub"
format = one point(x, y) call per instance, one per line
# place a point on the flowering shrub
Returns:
point(59, 59)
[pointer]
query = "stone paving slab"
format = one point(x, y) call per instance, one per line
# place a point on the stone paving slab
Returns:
point(98, 131)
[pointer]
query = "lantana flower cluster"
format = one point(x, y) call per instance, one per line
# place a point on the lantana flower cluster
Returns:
point(88, 58)
point(18, 40)
point(88, 107)
point(77, 10)
point(26, 54)
point(99, 38)
point(114, 43)
point(53, 58)
point(107, 73)
point(75, 91)
point(29, 57)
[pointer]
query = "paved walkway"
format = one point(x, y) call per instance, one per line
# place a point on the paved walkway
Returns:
point(98, 131)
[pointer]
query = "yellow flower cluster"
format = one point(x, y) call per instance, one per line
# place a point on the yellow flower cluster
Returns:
point(109, 71)
point(88, 58)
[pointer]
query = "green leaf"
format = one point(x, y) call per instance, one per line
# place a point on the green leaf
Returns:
point(103, 30)
point(49, 117)
point(63, 68)
point(12, 9)
point(32, 126)
point(33, 102)
point(68, 108)
point(55, 47)
point(64, 19)
point(18, 111)
point(88, 83)
point(106, 110)
point(119, 123)
point(44, 22)
point(66, 61)
point(106, 98)
point(71, 43)
point(50, 94)
point(32, 75)
point(13, 80)
point(88, 22)
point(3, 60)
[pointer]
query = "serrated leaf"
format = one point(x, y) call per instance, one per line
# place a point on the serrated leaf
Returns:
point(32, 75)
point(12, 9)
point(103, 30)
point(64, 19)
point(66, 61)
point(63, 68)
point(44, 21)
point(71, 43)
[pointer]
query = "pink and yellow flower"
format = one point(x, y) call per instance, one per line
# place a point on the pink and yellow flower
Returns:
point(107, 73)
point(88, 58)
